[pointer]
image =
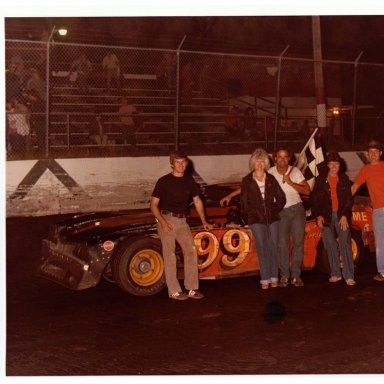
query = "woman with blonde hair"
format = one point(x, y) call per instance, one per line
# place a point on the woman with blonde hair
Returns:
point(261, 201)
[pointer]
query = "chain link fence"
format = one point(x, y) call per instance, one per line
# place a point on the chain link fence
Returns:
point(67, 100)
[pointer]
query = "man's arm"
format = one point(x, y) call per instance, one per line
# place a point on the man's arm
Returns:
point(154, 205)
point(200, 210)
point(226, 199)
point(360, 179)
point(354, 188)
point(303, 187)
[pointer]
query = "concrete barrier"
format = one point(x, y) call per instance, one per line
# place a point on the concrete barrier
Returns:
point(61, 186)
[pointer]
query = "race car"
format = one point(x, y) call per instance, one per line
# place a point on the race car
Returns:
point(125, 248)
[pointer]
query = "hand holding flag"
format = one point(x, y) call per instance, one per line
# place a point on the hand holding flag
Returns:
point(310, 158)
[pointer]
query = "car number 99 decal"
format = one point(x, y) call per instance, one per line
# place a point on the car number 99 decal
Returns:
point(232, 247)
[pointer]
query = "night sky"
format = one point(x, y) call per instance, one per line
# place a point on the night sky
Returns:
point(343, 37)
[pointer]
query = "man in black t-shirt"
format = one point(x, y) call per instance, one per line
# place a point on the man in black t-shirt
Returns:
point(169, 204)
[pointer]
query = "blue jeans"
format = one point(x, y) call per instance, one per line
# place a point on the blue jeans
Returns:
point(378, 229)
point(333, 248)
point(291, 226)
point(266, 246)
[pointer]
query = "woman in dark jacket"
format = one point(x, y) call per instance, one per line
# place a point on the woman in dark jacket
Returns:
point(331, 204)
point(261, 201)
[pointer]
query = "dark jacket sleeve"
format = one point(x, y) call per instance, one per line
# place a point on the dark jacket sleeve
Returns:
point(244, 200)
point(320, 199)
point(281, 199)
point(313, 199)
point(345, 208)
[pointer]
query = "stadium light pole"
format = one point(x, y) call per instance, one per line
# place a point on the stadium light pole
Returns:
point(62, 32)
point(354, 102)
point(319, 79)
point(278, 101)
point(177, 116)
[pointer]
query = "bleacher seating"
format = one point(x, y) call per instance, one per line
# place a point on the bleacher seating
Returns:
point(72, 110)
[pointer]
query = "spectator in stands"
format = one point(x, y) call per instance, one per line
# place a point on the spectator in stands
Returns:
point(37, 107)
point(10, 127)
point(304, 129)
point(82, 67)
point(41, 64)
point(12, 82)
point(111, 68)
point(127, 120)
point(186, 80)
point(18, 121)
point(96, 131)
point(36, 83)
point(250, 123)
point(232, 123)
point(20, 67)
point(166, 70)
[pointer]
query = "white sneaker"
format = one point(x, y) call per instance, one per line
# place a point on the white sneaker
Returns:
point(195, 294)
point(379, 277)
point(334, 279)
point(178, 296)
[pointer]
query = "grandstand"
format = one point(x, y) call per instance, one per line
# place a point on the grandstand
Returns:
point(217, 104)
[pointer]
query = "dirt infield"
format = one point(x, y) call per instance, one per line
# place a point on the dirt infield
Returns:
point(237, 328)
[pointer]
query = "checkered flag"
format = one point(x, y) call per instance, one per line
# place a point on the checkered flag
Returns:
point(311, 158)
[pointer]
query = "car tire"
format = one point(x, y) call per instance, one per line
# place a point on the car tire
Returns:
point(358, 251)
point(138, 267)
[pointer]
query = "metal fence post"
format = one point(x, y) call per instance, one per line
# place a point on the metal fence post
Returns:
point(277, 112)
point(177, 114)
point(48, 94)
point(354, 101)
point(164, 115)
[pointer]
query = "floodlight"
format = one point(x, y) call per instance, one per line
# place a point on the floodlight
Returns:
point(62, 31)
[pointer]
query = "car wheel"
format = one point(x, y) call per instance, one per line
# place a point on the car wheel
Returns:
point(138, 266)
point(358, 250)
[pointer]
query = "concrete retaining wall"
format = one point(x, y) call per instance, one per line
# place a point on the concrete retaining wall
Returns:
point(47, 187)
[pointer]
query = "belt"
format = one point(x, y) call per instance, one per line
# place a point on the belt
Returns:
point(179, 215)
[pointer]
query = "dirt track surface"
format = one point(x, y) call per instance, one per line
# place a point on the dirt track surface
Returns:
point(237, 328)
